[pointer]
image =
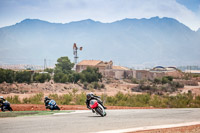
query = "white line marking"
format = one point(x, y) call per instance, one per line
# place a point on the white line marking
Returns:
point(74, 112)
point(150, 127)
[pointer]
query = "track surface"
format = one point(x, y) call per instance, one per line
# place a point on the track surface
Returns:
point(86, 121)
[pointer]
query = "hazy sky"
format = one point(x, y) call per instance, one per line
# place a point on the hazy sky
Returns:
point(63, 11)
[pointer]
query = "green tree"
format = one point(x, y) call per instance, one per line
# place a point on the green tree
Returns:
point(7, 75)
point(90, 75)
point(74, 77)
point(23, 76)
point(49, 70)
point(41, 77)
point(64, 65)
point(58, 76)
point(63, 70)
point(10, 76)
point(2, 75)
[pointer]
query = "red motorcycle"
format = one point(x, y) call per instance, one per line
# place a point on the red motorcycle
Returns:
point(98, 108)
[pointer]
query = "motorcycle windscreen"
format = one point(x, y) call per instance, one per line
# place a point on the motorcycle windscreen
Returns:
point(52, 102)
point(93, 104)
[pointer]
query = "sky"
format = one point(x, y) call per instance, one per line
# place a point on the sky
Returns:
point(65, 11)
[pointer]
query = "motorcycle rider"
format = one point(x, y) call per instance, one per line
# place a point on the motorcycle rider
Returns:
point(1, 102)
point(46, 101)
point(91, 96)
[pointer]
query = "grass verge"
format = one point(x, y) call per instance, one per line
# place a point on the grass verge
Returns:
point(29, 113)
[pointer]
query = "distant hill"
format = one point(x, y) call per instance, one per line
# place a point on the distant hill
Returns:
point(198, 31)
point(128, 42)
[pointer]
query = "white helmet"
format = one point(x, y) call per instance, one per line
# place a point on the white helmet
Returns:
point(1, 97)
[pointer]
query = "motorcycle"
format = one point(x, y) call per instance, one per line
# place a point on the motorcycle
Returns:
point(52, 105)
point(6, 106)
point(98, 108)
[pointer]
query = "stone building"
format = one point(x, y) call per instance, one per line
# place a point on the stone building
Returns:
point(118, 72)
point(167, 71)
point(144, 74)
point(93, 63)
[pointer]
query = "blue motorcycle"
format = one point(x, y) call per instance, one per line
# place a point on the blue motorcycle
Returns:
point(52, 105)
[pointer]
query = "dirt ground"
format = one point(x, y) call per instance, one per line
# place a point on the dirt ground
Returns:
point(24, 90)
point(27, 90)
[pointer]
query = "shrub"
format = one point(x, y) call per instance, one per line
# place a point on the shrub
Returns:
point(143, 100)
point(85, 85)
point(23, 76)
point(95, 85)
point(134, 80)
point(41, 78)
point(49, 70)
point(66, 99)
point(36, 99)
point(90, 75)
point(80, 99)
point(13, 99)
point(10, 76)
point(157, 101)
point(157, 81)
point(102, 86)
point(165, 80)
point(7, 76)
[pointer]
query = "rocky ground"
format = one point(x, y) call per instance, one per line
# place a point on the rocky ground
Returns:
point(113, 87)
point(26, 90)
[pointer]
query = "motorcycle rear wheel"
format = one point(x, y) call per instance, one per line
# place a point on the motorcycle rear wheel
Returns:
point(3, 109)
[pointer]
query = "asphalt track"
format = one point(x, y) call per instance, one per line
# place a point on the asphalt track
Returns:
point(115, 121)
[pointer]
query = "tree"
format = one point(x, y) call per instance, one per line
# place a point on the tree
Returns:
point(7, 75)
point(49, 70)
point(63, 70)
point(58, 77)
point(41, 77)
point(23, 76)
point(74, 77)
point(2, 75)
point(90, 75)
point(64, 65)
point(10, 76)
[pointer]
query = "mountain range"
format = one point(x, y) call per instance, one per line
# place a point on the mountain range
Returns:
point(127, 42)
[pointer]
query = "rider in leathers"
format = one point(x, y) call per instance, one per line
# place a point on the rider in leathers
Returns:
point(46, 101)
point(1, 102)
point(91, 96)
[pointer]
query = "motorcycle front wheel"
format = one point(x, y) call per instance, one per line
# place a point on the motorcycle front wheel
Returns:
point(57, 108)
point(100, 110)
point(10, 109)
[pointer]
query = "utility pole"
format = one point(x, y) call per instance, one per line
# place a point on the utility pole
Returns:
point(45, 64)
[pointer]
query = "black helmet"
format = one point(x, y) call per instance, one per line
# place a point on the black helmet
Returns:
point(89, 96)
point(46, 97)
